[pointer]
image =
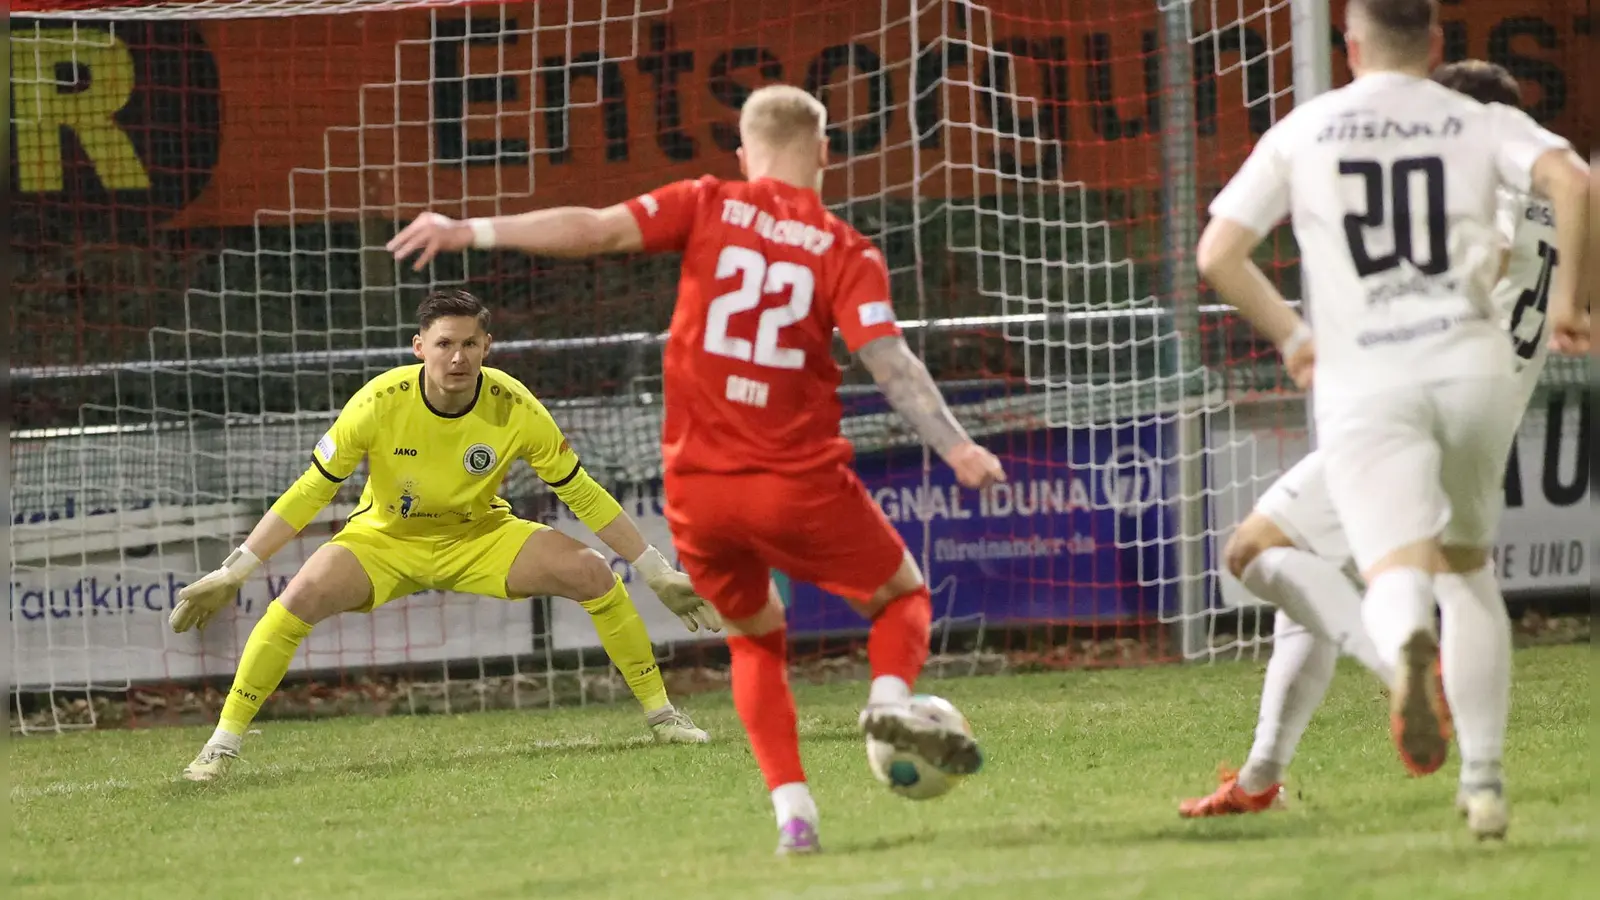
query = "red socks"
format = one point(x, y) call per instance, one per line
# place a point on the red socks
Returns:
point(898, 646)
point(766, 706)
point(898, 643)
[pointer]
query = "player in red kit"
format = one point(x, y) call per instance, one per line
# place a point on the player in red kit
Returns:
point(757, 474)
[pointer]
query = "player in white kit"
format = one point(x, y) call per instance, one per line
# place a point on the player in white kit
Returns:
point(1392, 185)
point(1292, 552)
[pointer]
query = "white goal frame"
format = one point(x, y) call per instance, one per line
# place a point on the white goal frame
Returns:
point(1310, 49)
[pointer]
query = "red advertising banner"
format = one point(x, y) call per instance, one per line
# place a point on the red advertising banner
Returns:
point(500, 108)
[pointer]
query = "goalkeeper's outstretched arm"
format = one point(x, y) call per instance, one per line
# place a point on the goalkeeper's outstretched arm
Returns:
point(333, 460)
point(909, 388)
point(555, 463)
point(198, 602)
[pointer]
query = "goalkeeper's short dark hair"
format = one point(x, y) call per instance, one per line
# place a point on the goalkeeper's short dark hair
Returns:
point(1483, 81)
point(448, 303)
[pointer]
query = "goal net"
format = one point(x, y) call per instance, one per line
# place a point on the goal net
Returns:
point(202, 191)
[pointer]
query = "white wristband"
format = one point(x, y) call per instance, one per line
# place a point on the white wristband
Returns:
point(651, 563)
point(482, 233)
point(1296, 339)
point(241, 562)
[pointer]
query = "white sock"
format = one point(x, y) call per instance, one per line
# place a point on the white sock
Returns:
point(1317, 595)
point(1475, 649)
point(225, 739)
point(888, 689)
point(794, 800)
point(1399, 603)
point(1298, 675)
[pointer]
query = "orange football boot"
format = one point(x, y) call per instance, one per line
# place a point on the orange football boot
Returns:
point(1230, 799)
point(1419, 715)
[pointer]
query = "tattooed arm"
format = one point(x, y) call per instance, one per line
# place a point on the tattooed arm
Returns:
point(909, 388)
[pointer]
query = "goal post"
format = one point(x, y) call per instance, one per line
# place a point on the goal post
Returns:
point(222, 173)
point(200, 194)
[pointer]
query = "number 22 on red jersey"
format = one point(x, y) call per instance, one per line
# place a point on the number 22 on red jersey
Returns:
point(719, 225)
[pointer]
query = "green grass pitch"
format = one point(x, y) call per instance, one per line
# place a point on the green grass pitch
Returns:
point(1077, 801)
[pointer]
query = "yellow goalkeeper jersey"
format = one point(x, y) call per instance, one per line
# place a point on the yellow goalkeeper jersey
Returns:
point(431, 472)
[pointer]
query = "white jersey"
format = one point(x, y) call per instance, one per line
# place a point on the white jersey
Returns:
point(1391, 183)
point(1522, 298)
point(1299, 502)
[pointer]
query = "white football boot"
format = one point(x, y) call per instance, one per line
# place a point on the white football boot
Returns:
point(673, 726)
point(1487, 813)
point(212, 763)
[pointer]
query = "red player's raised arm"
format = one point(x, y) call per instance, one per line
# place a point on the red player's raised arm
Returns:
point(659, 221)
point(665, 216)
point(567, 231)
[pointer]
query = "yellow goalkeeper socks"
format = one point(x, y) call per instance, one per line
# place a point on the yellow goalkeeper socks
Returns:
point(623, 635)
point(265, 661)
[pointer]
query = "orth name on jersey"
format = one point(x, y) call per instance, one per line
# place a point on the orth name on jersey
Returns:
point(1392, 185)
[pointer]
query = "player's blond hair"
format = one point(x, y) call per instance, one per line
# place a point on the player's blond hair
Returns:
point(779, 115)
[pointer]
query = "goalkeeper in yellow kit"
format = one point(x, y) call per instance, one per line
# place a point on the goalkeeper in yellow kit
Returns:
point(439, 438)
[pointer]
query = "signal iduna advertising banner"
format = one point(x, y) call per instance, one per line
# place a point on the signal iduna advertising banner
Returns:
point(1084, 529)
point(502, 107)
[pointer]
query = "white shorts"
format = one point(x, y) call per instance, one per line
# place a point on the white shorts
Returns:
point(1299, 504)
point(1421, 461)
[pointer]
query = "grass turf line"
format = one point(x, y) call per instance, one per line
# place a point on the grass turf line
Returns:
point(1077, 800)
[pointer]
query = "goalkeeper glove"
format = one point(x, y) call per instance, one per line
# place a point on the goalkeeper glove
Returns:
point(198, 602)
point(673, 589)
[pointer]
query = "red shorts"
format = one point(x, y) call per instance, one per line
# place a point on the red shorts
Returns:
point(822, 528)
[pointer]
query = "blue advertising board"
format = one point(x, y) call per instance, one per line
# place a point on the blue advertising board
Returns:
point(1084, 529)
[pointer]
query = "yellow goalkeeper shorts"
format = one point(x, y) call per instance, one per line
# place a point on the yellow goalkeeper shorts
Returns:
point(475, 560)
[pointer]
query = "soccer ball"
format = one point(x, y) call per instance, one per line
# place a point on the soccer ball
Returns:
point(908, 774)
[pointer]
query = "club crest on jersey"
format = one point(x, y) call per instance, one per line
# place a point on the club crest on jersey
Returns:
point(480, 459)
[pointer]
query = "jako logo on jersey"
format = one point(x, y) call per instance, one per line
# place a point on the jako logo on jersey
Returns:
point(1130, 481)
point(404, 451)
point(651, 207)
point(480, 459)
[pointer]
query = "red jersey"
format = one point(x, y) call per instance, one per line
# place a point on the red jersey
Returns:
point(768, 273)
